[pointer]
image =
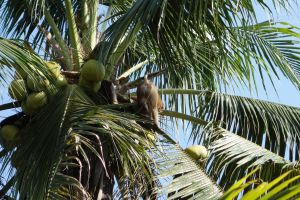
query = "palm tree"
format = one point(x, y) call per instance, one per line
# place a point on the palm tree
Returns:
point(85, 141)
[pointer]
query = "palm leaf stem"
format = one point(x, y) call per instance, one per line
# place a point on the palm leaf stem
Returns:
point(60, 40)
point(74, 37)
point(10, 105)
point(84, 24)
point(93, 22)
point(184, 117)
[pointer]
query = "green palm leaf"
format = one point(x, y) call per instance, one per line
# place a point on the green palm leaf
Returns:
point(195, 42)
point(273, 42)
point(187, 178)
point(265, 123)
point(231, 156)
point(13, 56)
point(276, 189)
point(126, 145)
point(256, 119)
point(25, 18)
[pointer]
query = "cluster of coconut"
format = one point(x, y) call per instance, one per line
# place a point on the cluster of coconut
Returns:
point(30, 89)
point(92, 73)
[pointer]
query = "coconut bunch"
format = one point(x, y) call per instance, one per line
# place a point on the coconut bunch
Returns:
point(92, 73)
point(31, 89)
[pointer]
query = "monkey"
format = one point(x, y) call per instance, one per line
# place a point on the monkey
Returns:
point(149, 101)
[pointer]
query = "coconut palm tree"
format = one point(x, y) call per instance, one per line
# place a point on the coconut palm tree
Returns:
point(79, 132)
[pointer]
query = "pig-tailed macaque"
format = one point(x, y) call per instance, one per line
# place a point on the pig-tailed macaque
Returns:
point(149, 101)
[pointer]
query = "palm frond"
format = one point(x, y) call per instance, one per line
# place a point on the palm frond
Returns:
point(276, 44)
point(232, 156)
point(13, 56)
point(25, 19)
point(275, 126)
point(125, 147)
point(185, 177)
point(255, 120)
point(276, 189)
point(196, 41)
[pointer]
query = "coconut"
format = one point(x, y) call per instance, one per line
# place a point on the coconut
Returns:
point(26, 109)
point(36, 100)
point(197, 152)
point(91, 86)
point(21, 72)
point(61, 81)
point(9, 132)
point(54, 68)
point(18, 76)
point(17, 89)
point(85, 83)
point(96, 87)
point(37, 84)
point(92, 70)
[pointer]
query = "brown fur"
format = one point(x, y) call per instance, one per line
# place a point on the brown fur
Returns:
point(149, 101)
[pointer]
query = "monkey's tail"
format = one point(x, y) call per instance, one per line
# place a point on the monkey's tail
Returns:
point(155, 116)
point(146, 78)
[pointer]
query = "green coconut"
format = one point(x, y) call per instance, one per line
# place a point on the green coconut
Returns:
point(20, 72)
point(91, 86)
point(17, 76)
point(17, 89)
point(85, 83)
point(96, 87)
point(36, 100)
point(61, 81)
point(9, 132)
point(197, 152)
point(26, 109)
point(37, 84)
point(92, 70)
point(54, 67)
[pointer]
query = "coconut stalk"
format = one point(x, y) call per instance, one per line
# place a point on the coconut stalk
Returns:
point(88, 24)
point(74, 37)
point(93, 5)
point(84, 25)
point(60, 41)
